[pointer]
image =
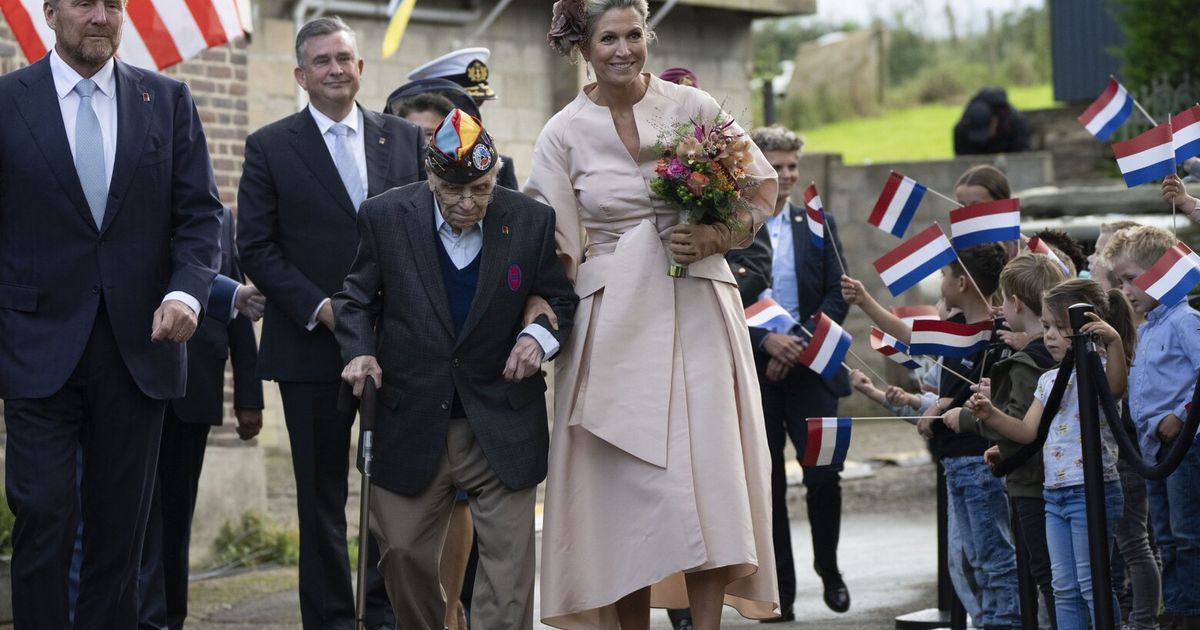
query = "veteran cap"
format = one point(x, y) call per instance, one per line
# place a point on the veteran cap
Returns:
point(466, 67)
point(461, 151)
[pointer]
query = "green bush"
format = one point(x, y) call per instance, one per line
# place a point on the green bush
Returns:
point(6, 526)
point(255, 541)
point(1160, 40)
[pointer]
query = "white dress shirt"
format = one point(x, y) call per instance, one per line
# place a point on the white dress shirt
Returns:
point(358, 148)
point(104, 103)
point(463, 248)
point(354, 139)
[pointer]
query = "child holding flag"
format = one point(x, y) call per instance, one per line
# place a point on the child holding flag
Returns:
point(1012, 384)
point(978, 516)
point(1066, 519)
point(1160, 386)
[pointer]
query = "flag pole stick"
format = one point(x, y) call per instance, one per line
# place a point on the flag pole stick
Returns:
point(977, 289)
point(895, 417)
point(960, 376)
point(836, 254)
point(1153, 123)
point(951, 200)
point(1172, 198)
point(866, 365)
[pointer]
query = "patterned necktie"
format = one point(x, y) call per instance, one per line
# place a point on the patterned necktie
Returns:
point(346, 165)
point(89, 152)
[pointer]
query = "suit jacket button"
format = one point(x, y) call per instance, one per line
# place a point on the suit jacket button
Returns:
point(446, 405)
point(96, 289)
point(742, 271)
point(454, 363)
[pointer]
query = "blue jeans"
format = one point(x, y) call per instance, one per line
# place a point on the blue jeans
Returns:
point(1175, 514)
point(980, 508)
point(1067, 538)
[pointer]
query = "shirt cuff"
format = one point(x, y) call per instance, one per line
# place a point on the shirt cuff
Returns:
point(546, 340)
point(312, 321)
point(191, 302)
point(233, 312)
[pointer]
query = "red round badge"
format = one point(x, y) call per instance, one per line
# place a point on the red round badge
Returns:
point(514, 277)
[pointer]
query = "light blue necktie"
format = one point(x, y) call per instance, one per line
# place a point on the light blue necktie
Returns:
point(346, 165)
point(89, 152)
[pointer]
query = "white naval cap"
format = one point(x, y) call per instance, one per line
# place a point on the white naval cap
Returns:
point(466, 67)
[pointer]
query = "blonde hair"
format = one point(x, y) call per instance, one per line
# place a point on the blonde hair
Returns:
point(1027, 277)
point(1142, 245)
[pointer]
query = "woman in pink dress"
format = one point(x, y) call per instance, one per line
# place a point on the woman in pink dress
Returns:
point(658, 491)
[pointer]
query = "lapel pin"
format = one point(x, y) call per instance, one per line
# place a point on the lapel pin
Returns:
point(504, 230)
point(145, 97)
point(797, 218)
point(382, 140)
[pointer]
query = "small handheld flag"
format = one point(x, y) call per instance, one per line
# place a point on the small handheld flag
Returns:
point(827, 347)
point(990, 222)
point(1147, 157)
point(897, 204)
point(1172, 277)
point(815, 212)
point(828, 441)
point(915, 259)
point(1039, 247)
point(1108, 112)
point(949, 339)
point(892, 348)
point(911, 313)
point(767, 313)
point(1185, 134)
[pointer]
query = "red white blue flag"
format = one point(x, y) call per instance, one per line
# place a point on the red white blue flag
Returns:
point(815, 213)
point(827, 347)
point(767, 313)
point(1147, 157)
point(897, 204)
point(1172, 277)
point(828, 441)
point(915, 259)
point(892, 348)
point(990, 222)
point(1108, 112)
point(909, 314)
point(1185, 134)
point(941, 338)
point(1039, 247)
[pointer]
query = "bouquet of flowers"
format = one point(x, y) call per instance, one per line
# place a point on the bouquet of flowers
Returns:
point(701, 172)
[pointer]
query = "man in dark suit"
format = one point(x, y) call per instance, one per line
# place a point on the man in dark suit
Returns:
point(164, 574)
point(432, 312)
point(303, 180)
point(806, 280)
point(109, 219)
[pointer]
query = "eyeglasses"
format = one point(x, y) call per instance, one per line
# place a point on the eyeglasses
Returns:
point(479, 197)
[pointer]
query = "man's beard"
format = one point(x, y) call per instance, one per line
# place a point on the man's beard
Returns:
point(96, 51)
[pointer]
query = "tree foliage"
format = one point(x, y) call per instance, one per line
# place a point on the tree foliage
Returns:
point(1161, 40)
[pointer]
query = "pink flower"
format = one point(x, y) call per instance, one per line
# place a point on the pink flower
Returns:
point(677, 170)
point(696, 183)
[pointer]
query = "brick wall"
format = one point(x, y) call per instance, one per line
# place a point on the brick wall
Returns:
point(218, 82)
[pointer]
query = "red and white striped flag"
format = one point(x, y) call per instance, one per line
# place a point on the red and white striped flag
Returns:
point(157, 33)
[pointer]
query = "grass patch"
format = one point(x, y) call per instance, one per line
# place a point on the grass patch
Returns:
point(915, 133)
point(255, 541)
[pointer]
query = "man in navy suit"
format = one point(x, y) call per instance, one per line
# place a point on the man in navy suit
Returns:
point(109, 222)
point(302, 182)
point(164, 573)
point(805, 280)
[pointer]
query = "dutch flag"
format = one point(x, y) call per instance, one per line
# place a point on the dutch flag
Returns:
point(892, 348)
point(1040, 248)
point(815, 212)
point(827, 443)
point(908, 314)
point(1108, 112)
point(1172, 277)
point(949, 339)
point(897, 204)
point(827, 347)
point(767, 313)
point(990, 222)
point(915, 259)
point(1185, 134)
point(1147, 157)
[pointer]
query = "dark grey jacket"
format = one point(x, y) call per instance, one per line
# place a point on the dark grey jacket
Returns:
point(394, 306)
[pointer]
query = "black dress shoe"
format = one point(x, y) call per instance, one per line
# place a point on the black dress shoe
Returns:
point(784, 616)
point(837, 596)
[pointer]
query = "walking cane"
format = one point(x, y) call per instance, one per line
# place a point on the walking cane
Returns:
point(367, 410)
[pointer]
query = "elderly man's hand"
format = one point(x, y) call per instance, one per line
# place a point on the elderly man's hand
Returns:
point(250, 302)
point(174, 321)
point(359, 369)
point(525, 359)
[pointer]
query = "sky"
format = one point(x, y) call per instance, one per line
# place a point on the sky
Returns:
point(927, 16)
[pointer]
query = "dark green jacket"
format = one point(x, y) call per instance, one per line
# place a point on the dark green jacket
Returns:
point(1014, 381)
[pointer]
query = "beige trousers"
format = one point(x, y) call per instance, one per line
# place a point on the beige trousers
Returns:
point(410, 531)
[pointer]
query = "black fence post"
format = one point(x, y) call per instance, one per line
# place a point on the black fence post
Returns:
point(1093, 471)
